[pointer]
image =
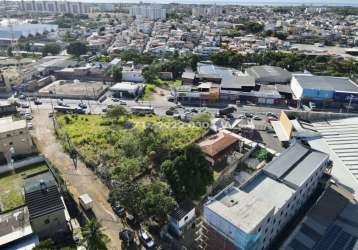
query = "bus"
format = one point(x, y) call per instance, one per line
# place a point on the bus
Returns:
point(145, 110)
point(70, 110)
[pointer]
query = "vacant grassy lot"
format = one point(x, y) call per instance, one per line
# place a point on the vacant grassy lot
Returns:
point(114, 141)
point(12, 187)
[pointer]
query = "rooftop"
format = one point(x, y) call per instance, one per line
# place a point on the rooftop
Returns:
point(7, 124)
point(330, 83)
point(217, 143)
point(269, 73)
point(42, 195)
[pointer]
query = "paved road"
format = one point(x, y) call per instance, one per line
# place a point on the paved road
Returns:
point(80, 180)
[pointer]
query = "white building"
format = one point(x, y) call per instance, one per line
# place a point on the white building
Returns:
point(250, 217)
point(132, 76)
point(55, 7)
point(152, 12)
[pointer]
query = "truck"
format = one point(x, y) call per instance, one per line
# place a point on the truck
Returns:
point(86, 202)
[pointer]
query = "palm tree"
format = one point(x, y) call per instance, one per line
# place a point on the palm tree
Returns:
point(93, 237)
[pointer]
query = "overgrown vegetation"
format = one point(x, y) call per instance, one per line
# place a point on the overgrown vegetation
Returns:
point(263, 155)
point(317, 64)
point(132, 151)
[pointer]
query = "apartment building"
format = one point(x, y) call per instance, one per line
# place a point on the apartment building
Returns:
point(54, 7)
point(152, 12)
point(14, 134)
point(251, 216)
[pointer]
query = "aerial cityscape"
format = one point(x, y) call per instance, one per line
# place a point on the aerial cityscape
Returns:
point(178, 125)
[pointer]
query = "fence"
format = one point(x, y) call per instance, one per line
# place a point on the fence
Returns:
point(21, 164)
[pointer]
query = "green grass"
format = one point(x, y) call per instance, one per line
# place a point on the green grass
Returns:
point(12, 187)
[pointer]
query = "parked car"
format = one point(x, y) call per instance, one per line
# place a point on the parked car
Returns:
point(127, 236)
point(118, 209)
point(122, 103)
point(25, 105)
point(171, 99)
point(249, 115)
point(22, 97)
point(169, 112)
point(131, 220)
point(50, 114)
point(29, 125)
point(145, 238)
point(115, 99)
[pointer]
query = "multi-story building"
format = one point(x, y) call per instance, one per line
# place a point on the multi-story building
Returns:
point(251, 216)
point(55, 7)
point(153, 12)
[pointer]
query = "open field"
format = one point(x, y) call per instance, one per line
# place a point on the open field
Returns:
point(12, 188)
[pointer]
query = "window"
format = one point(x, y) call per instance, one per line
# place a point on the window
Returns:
point(47, 221)
point(186, 217)
point(11, 143)
point(8, 135)
point(259, 230)
point(266, 230)
point(21, 132)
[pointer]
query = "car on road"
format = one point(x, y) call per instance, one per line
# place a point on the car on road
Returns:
point(145, 238)
point(242, 117)
point(37, 102)
point(50, 114)
point(118, 209)
point(29, 125)
point(249, 115)
point(104, 110)
point(109, 106)
point(257, 118)
point(22, 97)
point(127, 237)
point(170, 98)
point(193, 110)
point(115, 99)
point(122, 103)
point(82, 105)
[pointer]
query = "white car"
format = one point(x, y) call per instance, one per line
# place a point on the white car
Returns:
point(146, 239)
point(29, 125)
point(122, 103)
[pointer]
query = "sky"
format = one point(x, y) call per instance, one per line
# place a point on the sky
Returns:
point(243, 2)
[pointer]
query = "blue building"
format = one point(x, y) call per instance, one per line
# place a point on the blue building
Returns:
point(308, 87)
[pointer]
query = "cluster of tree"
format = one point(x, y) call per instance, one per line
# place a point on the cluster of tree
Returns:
point(175, 66)
point(136, 57)
point(77, 48)
point(323, 65)
point(51, 48)
point(151, 200)
point(252, 27)
point(345, 11)
point(278, 34)
point(116, 73)
point(231, 33)
point(188, 173)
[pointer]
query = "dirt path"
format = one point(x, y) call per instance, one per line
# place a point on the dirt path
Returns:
point(80, 180)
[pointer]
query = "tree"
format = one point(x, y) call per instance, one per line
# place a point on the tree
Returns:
point(150, 74)
point(116, 111)
point(9, 51)
point(93, 237)
point(157, 202)
point(189, 173)
point(117, 74)
point(52, 48)
point(202, 118)
point(77, 48)
point(45, 245)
